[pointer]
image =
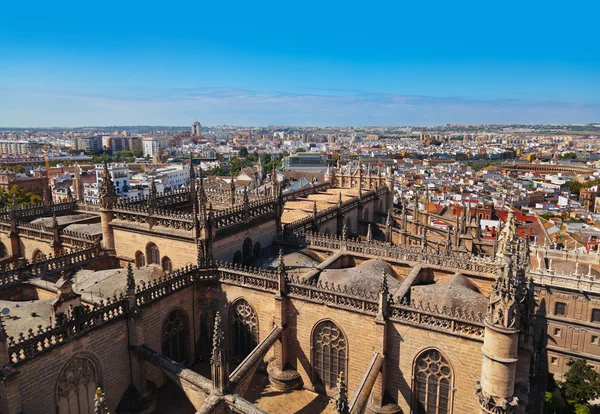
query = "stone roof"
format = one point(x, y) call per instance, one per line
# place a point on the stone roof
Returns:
point(454, 291)
point(62, 220)
point(366, 276)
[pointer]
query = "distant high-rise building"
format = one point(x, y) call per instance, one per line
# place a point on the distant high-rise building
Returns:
point(151, 146)
point(196, 129)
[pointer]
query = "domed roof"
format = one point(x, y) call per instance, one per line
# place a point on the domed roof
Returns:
point(454, 291)
point(366, 276)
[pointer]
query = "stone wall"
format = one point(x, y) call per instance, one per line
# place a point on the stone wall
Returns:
point(35, 385)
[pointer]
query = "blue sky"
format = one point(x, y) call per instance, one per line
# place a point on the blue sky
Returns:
point(298, 63)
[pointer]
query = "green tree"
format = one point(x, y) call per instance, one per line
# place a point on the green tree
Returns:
point(243, 152)
point(569, 156)
point(582, 383)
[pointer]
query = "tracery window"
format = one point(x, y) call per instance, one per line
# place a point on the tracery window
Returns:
point(244, 322)
point(37, 255)
point(330, 353)
point(175, 336)
point(152, 254)
point(432, 380)
point(76, 387)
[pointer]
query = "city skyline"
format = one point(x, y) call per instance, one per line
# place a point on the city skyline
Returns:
point(328, 65)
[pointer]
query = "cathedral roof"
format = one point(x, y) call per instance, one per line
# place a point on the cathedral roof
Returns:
point(454, 291)
point(366, 276)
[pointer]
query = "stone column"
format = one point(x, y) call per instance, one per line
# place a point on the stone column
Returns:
point(280, 377)
point(108, 238)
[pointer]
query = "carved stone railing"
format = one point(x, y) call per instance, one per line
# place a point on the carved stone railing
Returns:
point(238, 214)
point(87, 206)
point(462, 261)
point(33, 343)
point(252, 277)
point(579, 282)
point(28, 211)
point(146, 293)
point(457, 321)
point(565, 255)
point(358, 300)
point(305, 191)
point(157, 217)
point(21, 270)
point(69, 238)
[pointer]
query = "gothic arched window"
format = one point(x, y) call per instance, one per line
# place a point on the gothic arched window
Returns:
point(175, 335)
point(244, 325)
point(330, 353)
point(433, 383)
point(76, 387)
point(167, 265)
point(152, 254)
point(140, 260)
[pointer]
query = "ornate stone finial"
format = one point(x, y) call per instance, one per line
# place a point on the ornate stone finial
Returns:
point(100, 406)
point(383, 299)
point(192, 173)
point(69, 194)
point(369, 233)
point(108, 194)
point(340, 401)
point(130, 277)
point(281, 276)
point(218, 361)
point(345, 231)
point(340, 200)
point(314, 207)
point(246, 198)
point(388, 221)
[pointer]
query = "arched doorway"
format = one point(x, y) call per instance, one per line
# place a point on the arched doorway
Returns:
point(244, 326)
point(247, 248)
point(166, 264)
point(76, 386)
point(152, 254)
point(3, 250)
point(175, 336)
point(432, 381)
point(330, 353)
point(140, 260)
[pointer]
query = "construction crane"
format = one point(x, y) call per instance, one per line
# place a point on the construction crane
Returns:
point(47, 160)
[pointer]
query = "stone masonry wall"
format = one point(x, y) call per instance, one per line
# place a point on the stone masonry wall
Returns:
point(106, 346)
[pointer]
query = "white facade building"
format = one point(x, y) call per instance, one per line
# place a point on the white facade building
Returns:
point(151, 146)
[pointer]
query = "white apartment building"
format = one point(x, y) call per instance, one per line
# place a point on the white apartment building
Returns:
point(176, 176)
point(151, 146)
point(120, 175)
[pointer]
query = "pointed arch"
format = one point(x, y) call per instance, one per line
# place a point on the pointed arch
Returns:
point(329, 353)
point(166, 264)
point(140, 260)
point(432, 383)
point(256, 250)
point(152, 254)
point(175, 336)
point(76, 386)
point(244, 329)
point(37, 255)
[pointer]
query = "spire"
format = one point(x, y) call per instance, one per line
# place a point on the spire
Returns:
point(232, 190)
point(369, 233)
point(100, 406)
point(152, 194)
point(130, 278)
point(108, 195)
point(340, 200)
point(388, 221)
point(340, 401)
point(192, 173)
point(345, 231)
point(218, 361)
point(274, 181)
point(69, 194)
point(314, 208)
point(281, 275)
point(383, 294)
